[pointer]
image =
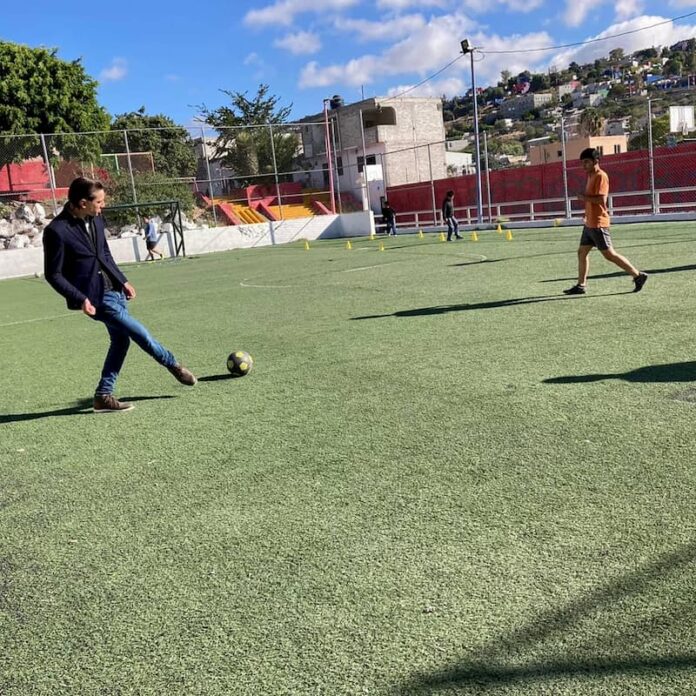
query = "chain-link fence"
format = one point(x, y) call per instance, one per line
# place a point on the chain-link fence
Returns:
point(251, 174)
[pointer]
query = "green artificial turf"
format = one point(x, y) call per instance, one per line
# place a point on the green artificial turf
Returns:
point(442, 476)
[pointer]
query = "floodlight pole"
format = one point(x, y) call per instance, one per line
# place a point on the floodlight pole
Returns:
point(568, 211)
point(328, 156)
point(466, 48)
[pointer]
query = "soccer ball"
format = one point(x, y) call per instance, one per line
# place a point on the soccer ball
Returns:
point(239, 363)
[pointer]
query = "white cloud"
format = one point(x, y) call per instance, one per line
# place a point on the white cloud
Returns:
point(490, 5)
point(115, 72)
point(283, 11)
point(625, 9)
point(663, 35)
point(405, 4)
point(302, 42)
point(253, 59)
point(378, 31)
point(577, 10)
point(434, 88)
point(427, 51)
point(683, 3)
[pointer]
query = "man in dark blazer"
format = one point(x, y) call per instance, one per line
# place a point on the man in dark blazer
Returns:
point(79, 266)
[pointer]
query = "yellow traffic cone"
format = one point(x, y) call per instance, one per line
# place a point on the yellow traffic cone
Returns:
point(508, 235)
point(500, 229)
point(442, 237)
point(474, 236)
point(556, 223)
point(381, 246)
point(306, 245)
point(373, 236)
point(349, 245)
point(420, 234)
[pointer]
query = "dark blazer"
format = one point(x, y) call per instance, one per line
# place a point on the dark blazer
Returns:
point(73, 266)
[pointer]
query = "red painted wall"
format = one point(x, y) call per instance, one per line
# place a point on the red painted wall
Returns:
point(630, 171)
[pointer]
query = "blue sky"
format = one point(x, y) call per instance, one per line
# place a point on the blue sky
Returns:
point(172, 56)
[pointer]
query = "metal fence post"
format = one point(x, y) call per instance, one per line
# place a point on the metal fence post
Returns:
point(651, 163)
point(130, 167)
point(335, 156)
point(488, 175)
point(275, 172)
point(565, 170)
point(210, 178)
point(51, 176)
point(432, 186)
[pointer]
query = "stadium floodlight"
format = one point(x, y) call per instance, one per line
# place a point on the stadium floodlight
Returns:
point(468, 48)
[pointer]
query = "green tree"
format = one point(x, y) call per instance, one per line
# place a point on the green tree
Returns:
point(242, 145)
point(171, 146)
point(616, 55)
point(591, 122)
point(40, 93)
point(660, 132)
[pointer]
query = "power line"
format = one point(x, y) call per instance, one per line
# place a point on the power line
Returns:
point(430, 77)
point(591, 41)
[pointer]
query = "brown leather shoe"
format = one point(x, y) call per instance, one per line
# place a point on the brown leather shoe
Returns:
point(184, 375)
point(108, 403)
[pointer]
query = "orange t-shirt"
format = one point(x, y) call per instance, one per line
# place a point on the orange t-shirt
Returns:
point(597, 214)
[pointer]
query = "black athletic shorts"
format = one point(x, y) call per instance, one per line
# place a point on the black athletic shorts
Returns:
point(150, 245)
point(597, 237)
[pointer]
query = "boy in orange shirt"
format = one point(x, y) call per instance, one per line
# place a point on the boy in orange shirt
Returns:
point(596, 229)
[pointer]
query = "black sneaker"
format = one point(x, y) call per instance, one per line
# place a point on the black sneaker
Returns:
point(575, 290)
point(108, 403)
point(639, 281)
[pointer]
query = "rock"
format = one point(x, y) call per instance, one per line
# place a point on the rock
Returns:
point(37, 241)
point(6, 229)
point(128, 234)
point(19, 241)
point(24, 212)
point(21, 226)
point(167, 227)
point(39, 212)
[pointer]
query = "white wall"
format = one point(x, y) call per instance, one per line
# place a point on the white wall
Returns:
point(22, 262)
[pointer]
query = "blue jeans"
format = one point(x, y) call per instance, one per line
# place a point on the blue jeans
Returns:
point(122, 328)
point(391, 227)
point(452, 226)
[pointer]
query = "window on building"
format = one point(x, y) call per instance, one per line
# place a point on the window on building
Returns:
point(600, 150)
point(559, 153)
point(371, 159)
point(339, 165)
point(617, 149)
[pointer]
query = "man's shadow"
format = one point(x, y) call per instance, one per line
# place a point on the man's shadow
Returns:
point(79, 408)
point(465, 307)
point(501, 660)
point(618, 274)
point(672, 372)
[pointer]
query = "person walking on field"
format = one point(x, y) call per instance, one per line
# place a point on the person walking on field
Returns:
point(389, 215)
point(79, 266)
point(151, 239)
point(448, 216)
point(595, 232)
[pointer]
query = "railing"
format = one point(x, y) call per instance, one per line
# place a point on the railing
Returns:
point(554, 209)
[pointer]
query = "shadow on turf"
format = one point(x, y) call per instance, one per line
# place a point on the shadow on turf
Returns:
point(444, 309)
point(498, 662)
point(216, 378)
point(82, 407)
point(657, 242)
point(653, 271)
point(672, 372)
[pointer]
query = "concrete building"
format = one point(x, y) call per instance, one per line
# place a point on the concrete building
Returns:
point(380, 142)
point(515, 107)
point(552, 152)
point(459, 163)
